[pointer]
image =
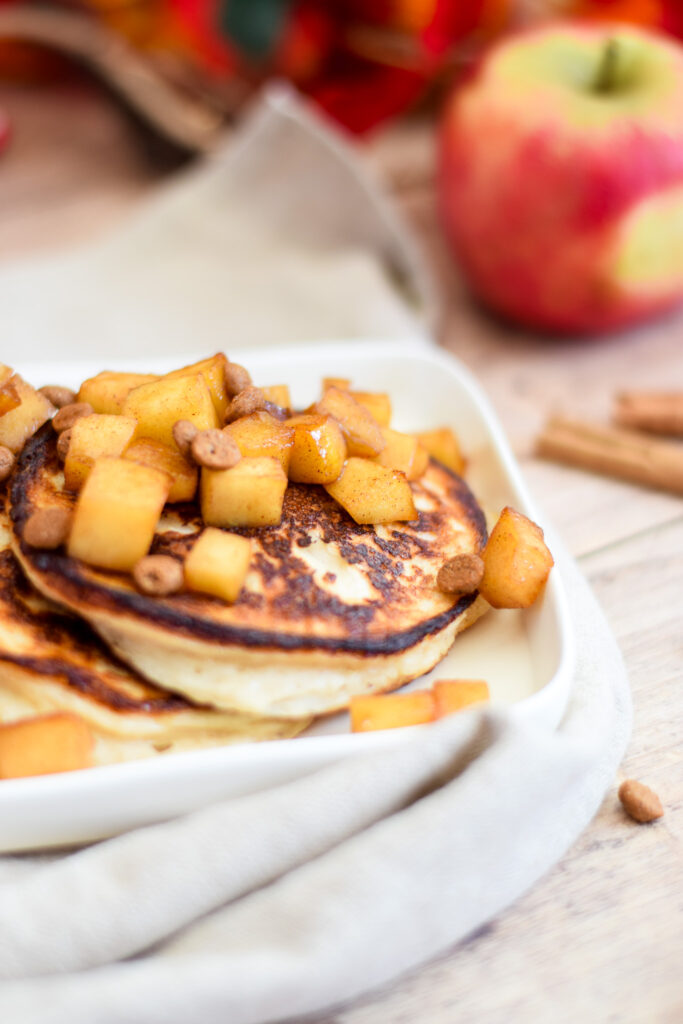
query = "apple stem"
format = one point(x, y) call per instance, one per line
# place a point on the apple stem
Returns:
point(605, 79)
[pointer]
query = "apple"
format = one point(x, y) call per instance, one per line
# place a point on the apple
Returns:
point(561, 176)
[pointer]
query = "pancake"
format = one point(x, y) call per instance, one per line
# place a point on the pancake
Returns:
point(329, 608)
point(51, 661)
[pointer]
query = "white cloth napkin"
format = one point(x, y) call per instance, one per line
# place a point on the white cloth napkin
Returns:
point(296, 899)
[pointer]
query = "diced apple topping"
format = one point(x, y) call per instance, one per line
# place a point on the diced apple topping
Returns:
point(377, 403)
point(372, 493)
point(391, 711)
point(9, 396)
point(248, 495)
point(279, 395)
point(343, 383)
point(182, 472)
point(451, 695)
point(22, 421)
point(319, 449)
point(443, 445)
point(117, 512)
point(261, 435)
point(213, 372)
point(517, 562)
point(161, 403)
point(61, 742)
point(91, 438)
point(218, 564)
point(404, 452)
point(361, 431)
point(107, 391)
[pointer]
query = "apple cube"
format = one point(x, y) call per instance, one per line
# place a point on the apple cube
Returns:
point(372, 493)
point(318, 451)
point(404, 452)
point(452, 695)
point(391, 711)
point(21, 422)
point(213, 372)
point(278, 394)
point(107, 391)
point(61, 742)
point(117, 512)
point(443, 445)
point(9, 396)
point(184, 474)
point(93, 437)
point(158, 405)
point(218, 564)
point(377, 403)
point(260, 434)
point(361, 431)
point(517, 562)
point(343, 383)
point(248, 495)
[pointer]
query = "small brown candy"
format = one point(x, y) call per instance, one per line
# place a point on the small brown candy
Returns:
point(460, 575)
point(63, 442)
point(236, 379)
point(68, 414)
point(7, 461)
point(249, 400)
point(184, 433)
point(48, 528)
point(639, 801)
point(215, 450)
point(59, 396)
point(158, 575)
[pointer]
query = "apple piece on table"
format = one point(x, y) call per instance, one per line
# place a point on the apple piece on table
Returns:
point(161, 403)
point(261, 435)
point(443, 445)
point(391, 711)
point(373, 494)
point(403, 452)
point(249, 494)
point(451, 695)
point(213, 372)
point(22, 421)
point(116, 513)
point(318, 450)
point(361, 431)
point(93, 437)
point(183, 473)
point(218, 564)
point(517, 562)
point(107, 391)
point(60, 742)
point(378, 404)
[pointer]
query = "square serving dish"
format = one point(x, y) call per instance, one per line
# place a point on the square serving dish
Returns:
point(526, 657)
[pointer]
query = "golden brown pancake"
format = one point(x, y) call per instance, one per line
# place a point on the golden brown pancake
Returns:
point(52, 661)
point(329, 608)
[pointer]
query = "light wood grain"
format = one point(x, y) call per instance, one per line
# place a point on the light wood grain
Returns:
point(600, 938)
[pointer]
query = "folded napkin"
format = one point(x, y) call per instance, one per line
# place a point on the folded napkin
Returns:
point(293, 900)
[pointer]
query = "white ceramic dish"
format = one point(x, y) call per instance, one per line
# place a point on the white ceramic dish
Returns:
point(527, 657)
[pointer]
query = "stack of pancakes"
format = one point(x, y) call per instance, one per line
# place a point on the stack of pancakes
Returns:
point(329, 609)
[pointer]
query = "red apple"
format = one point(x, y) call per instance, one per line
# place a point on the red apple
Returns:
point(561, 176)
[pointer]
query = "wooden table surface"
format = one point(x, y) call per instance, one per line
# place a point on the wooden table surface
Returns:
point(601, 937)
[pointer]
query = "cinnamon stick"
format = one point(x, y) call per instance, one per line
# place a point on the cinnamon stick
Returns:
point(613, 451)
point(658, 412)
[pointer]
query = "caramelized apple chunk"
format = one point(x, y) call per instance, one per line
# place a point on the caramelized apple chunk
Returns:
point(91, 438)
point(21, 422)
point(372, 493)
point(213, 372)
point(278, 394)
point(117, 512)
point(107, 391)
point(261, 435)
point(248, 495)
point(318, 451)
point(183, 473)
point(517, 562)
point(377, 403)
point(157, 406)
point(443, 445)
point(9, 396)
point(61, 742)
point(361, 431)
point(404, 452)
point(452, 695)
point(218, 564)
point(391, 711)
